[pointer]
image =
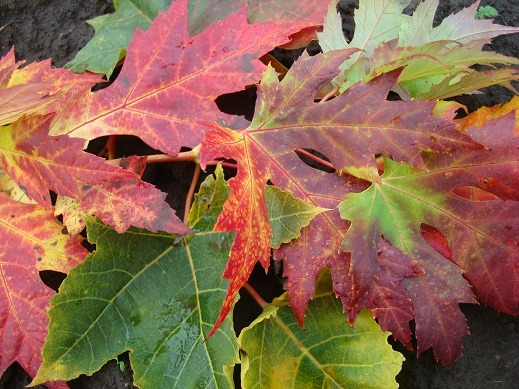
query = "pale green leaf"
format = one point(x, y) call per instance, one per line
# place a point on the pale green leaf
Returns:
point(427, 66)
point(140, 292)
point(209, 201)
point(287, 215)
point(328, 353)
point(332, 37)
point(462, 27)
point(377, 21)
point(113, 32)
point(430, 56)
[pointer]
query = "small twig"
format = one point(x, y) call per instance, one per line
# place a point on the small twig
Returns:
point(223, 163)
point(162, 158)
point(191, 192)
point(110, 146)
point(255, 295)
point(329, 95)
point(315, 158)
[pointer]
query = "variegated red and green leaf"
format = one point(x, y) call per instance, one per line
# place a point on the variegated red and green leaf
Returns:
point(349, 130)
point(481, 234)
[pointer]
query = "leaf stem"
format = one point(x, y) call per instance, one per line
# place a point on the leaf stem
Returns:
point(315, 158)
point(223, 163)
point(110, 146)
point(162, 158)
point(255, 295)
point(191, 192)
point(330, 94)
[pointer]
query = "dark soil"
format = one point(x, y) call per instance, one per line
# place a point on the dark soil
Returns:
point(56, 29)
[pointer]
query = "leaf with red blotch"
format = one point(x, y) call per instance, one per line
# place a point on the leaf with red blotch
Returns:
point(32, 240)
point(349, 130)
point(167, 84)
point(35, 87)
point(482, 235)
point(39, 163)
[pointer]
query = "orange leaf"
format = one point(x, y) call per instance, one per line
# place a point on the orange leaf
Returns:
point(244, 212)
point(485, 114)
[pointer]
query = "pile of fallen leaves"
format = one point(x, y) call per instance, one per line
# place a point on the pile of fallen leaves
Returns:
point(403, 210)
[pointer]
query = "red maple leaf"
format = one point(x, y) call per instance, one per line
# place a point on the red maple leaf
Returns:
point(32, 240)
point(476, 244)
point(39, 163)
point(167, 84)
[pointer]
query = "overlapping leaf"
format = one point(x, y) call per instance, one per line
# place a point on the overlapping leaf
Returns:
point(152, 297)
point(35, 87)
point(31, 240)
point(167, 83)
point(349, 130)
point(113, 32)
point(483, 247)
point(41, 163)
point(437, 59)
point(278, 353)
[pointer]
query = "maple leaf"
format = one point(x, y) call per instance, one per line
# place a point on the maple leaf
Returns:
point(32, 240)
point(113, 32)
point(40, 163)
point(152, 295)
point(35, 87)
point(338, 355)
point(437, 59)
point(167, 83)
point(484, 249)
point(349, 130)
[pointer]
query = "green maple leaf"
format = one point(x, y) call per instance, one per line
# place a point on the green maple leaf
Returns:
point(327, 353)
point(149, 294)
point(113, 32)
